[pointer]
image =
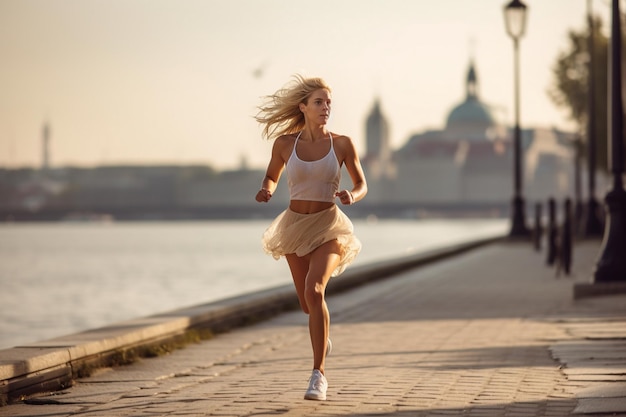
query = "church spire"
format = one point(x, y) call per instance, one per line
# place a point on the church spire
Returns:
point(472, 82)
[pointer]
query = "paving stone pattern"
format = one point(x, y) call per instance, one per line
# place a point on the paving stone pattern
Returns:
point(492, 332)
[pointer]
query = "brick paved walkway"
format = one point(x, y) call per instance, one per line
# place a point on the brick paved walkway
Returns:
point(471, 336)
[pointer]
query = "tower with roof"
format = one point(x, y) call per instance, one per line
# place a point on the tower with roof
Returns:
point(378, 145)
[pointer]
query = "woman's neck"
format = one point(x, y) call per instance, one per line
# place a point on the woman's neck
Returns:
point(314, 133)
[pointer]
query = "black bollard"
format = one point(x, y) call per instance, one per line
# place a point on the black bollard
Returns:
point(538, 230)
point(565, 250)
point(552, 233)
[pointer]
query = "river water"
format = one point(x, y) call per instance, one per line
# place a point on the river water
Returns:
point(61, 278)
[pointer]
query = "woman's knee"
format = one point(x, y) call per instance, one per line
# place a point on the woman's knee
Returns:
point(314, 295)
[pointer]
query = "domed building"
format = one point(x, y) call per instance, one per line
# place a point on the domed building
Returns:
point(472, 117)
point(467, 163)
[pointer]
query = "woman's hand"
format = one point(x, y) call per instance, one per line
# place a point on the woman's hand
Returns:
point(263, 196)
point(345, 197)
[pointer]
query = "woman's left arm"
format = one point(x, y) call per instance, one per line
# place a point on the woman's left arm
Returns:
point(353, 165)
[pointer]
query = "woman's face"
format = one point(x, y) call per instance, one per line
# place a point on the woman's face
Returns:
point(317, 108)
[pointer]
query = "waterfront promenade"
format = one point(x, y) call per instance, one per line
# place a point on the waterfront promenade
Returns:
point(489, 332)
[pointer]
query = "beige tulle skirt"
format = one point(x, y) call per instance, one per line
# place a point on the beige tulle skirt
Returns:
point(298, 233)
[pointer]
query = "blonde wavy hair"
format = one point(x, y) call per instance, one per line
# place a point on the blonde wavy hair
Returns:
point(280, 112)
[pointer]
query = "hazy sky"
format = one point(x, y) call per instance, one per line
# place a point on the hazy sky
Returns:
point(173, 81)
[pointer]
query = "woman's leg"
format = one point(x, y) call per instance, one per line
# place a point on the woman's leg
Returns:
point(299, 267)
point(322, 263)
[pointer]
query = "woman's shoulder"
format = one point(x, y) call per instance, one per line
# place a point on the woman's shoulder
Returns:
point(342, 140)
point(283, 145)
point(285, 140)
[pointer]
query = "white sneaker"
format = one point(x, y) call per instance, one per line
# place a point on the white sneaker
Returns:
point(317, 387)
point(329, 347)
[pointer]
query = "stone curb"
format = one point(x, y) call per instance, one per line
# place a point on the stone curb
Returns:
point(53, 364)
point(598, 289)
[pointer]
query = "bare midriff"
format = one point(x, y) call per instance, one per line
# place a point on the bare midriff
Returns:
point(308, 207)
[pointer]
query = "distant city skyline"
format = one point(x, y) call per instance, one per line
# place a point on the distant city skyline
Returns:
point(177, 82)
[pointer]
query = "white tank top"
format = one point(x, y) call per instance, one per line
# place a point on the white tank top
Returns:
point(313, 180)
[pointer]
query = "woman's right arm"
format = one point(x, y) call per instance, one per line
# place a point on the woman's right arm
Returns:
point(274, 170)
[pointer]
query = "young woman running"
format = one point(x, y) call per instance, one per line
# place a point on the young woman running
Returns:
point(313, 234)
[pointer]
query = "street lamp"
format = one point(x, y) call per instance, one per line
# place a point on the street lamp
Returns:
point(611, 267)
point(592, 223)
point(515, 21)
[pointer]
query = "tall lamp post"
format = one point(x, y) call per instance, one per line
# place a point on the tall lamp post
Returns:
point(611, 266)
point(592, 223)
point(515, 21)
